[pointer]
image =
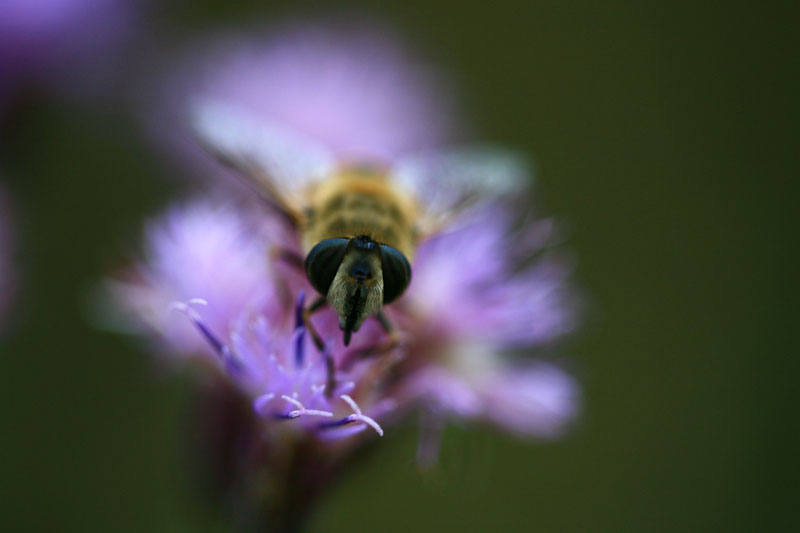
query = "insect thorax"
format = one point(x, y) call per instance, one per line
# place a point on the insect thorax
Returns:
point(361, 202)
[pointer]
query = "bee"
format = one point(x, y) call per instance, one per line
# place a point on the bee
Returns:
point(360, 222)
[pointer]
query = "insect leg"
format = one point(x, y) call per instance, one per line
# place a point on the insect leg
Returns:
point(331, 371)
point(384, 320)
point(307, 312)
point(394, 336)
point(383, 347)
point(330, 367)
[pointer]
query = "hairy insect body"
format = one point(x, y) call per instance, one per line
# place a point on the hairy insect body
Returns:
point(359, 224)
point(362, 202)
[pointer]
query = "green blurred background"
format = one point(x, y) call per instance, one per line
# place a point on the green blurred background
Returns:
point(665, 138)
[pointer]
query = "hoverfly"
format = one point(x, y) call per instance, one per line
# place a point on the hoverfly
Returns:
point(360, 223)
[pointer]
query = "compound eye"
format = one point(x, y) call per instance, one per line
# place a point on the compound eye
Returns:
point(323, 261)
point(396, 273)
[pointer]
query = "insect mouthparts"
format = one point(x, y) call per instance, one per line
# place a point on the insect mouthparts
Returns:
point(356, 303)
point(361, 271)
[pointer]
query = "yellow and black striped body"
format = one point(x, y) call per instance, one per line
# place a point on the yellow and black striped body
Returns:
point(358, 201)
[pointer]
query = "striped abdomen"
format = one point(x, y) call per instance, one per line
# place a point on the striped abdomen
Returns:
point(361, 202)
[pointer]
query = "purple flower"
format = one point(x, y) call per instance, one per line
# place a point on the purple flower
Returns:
point(209, 289)
point(203, 251)
point(72, 41)
point(349, 85)
point(221, 284)
point(468, 305)
point(213, 285)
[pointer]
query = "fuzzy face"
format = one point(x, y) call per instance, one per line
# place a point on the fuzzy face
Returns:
point(357, 290)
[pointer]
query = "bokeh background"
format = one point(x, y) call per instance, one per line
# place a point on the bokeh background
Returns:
point(665, 138)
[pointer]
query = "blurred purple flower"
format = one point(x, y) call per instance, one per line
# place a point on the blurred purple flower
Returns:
point(468, 304)
point(72, 41)
point(210, 290)
point(200, 251)
point(349, 85)
point(212, 265)
point(216, 287)
point(211, 268)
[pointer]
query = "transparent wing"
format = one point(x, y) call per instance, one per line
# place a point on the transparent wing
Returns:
point(279, 162)
point(449, 183)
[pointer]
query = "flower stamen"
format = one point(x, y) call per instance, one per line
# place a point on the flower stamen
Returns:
point(260, 402)
point(357, 416)
point(301, 410)
point(222, 349)
point(298, 343)
point(298, 311)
